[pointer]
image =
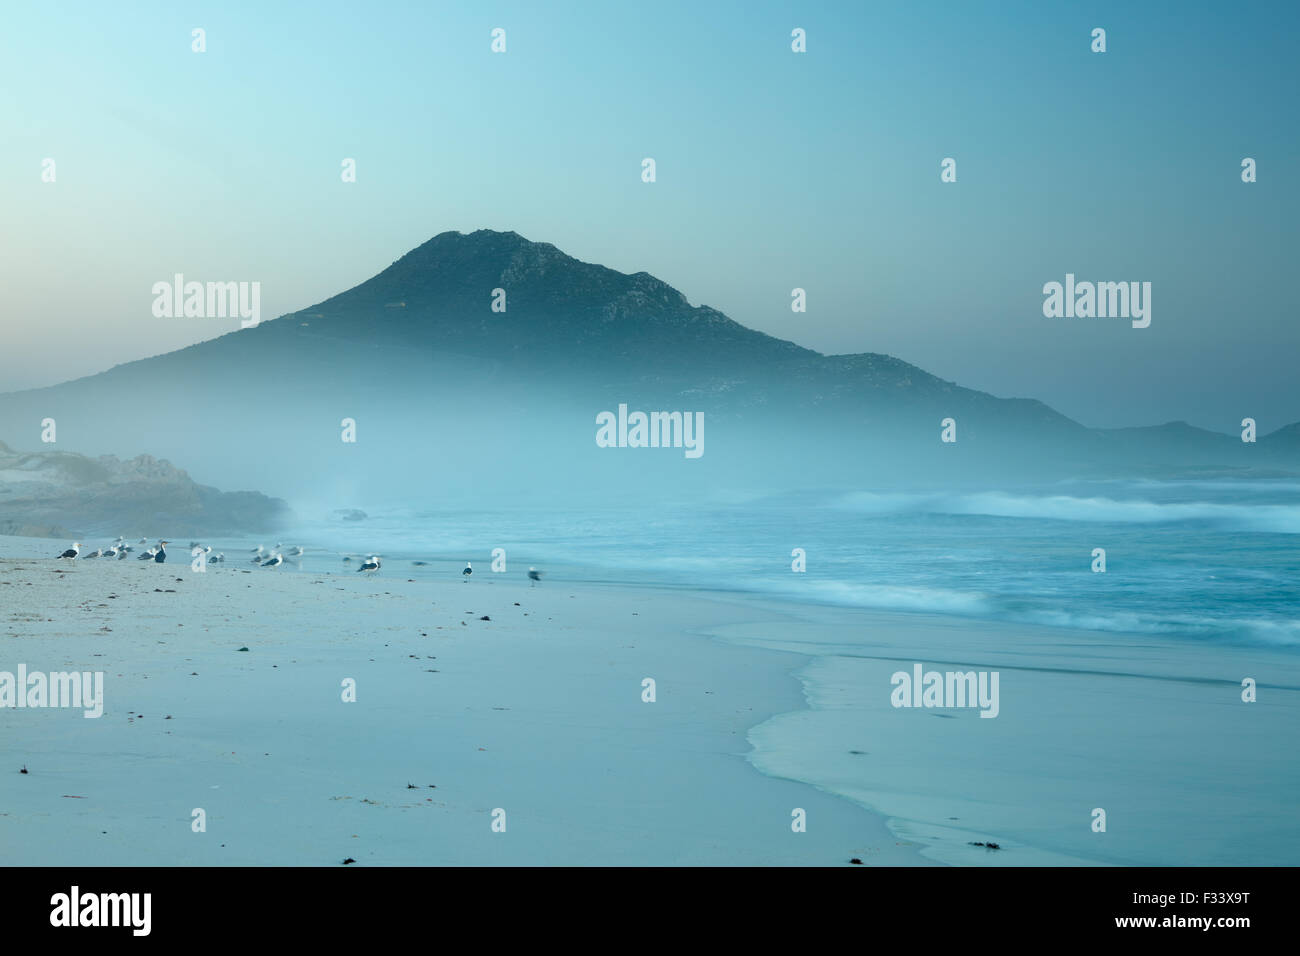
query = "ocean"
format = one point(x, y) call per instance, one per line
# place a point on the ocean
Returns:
point(1141, 716)
point(1214, 560)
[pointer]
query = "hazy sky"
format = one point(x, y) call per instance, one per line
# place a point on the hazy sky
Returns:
point(818, 170)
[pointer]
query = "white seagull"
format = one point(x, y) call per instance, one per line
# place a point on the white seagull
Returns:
point(534, 576)
point(370, 564)
point(73, 551)
point(467, 572)
point(275, 561)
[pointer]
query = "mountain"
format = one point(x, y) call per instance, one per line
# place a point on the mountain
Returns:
point(57, 493)
point(454, 400)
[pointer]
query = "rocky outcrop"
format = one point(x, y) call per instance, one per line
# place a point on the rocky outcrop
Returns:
point(63, 494)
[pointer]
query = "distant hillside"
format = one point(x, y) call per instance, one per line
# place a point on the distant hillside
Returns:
point(68, 495)
point(453, 399)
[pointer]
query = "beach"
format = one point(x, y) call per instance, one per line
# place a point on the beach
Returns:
point(537, 711)
point(496, 723)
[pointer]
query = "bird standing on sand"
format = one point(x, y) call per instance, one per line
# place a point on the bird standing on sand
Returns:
point(467, 572)
point(274, 562)
point(148, 555)
point(94, 554)
point(370, 564)
point(534, 576)
point(73, 551)
point(113, 551)
point(161, 556)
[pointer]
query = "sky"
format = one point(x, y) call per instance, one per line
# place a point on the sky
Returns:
point(775, 170)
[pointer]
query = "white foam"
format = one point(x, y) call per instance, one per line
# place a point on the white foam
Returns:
point(1278, 518)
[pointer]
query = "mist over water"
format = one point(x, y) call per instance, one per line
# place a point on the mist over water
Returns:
point(1213, 561)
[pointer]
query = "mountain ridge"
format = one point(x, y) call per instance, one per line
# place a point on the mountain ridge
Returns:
point(418, 349)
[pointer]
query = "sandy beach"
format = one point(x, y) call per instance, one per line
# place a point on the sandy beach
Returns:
point(473, 697)
point(537, 711)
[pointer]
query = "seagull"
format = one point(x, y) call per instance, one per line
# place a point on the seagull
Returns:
point(534, 575)
point(217, 558)
point(370, 564)
point(275, 561)
point(113, 551)
point(143, 541)
point(467, 572)
point(73, 551)
point(161, 556)
point(94, 554)
point(295, 551)
point(148, 555)
point(121, 555)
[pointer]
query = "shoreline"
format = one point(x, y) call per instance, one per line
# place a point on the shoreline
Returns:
point(763, 705)
point(537, 711)
point(1152, 731)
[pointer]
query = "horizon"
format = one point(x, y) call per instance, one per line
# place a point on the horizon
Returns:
point(792, 171)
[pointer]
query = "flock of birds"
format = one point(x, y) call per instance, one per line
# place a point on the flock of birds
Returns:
point(119, 549)
point(273, 558)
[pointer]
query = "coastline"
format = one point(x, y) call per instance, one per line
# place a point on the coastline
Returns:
point(537, 711)
point(1153, 731)
point(763, 705)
